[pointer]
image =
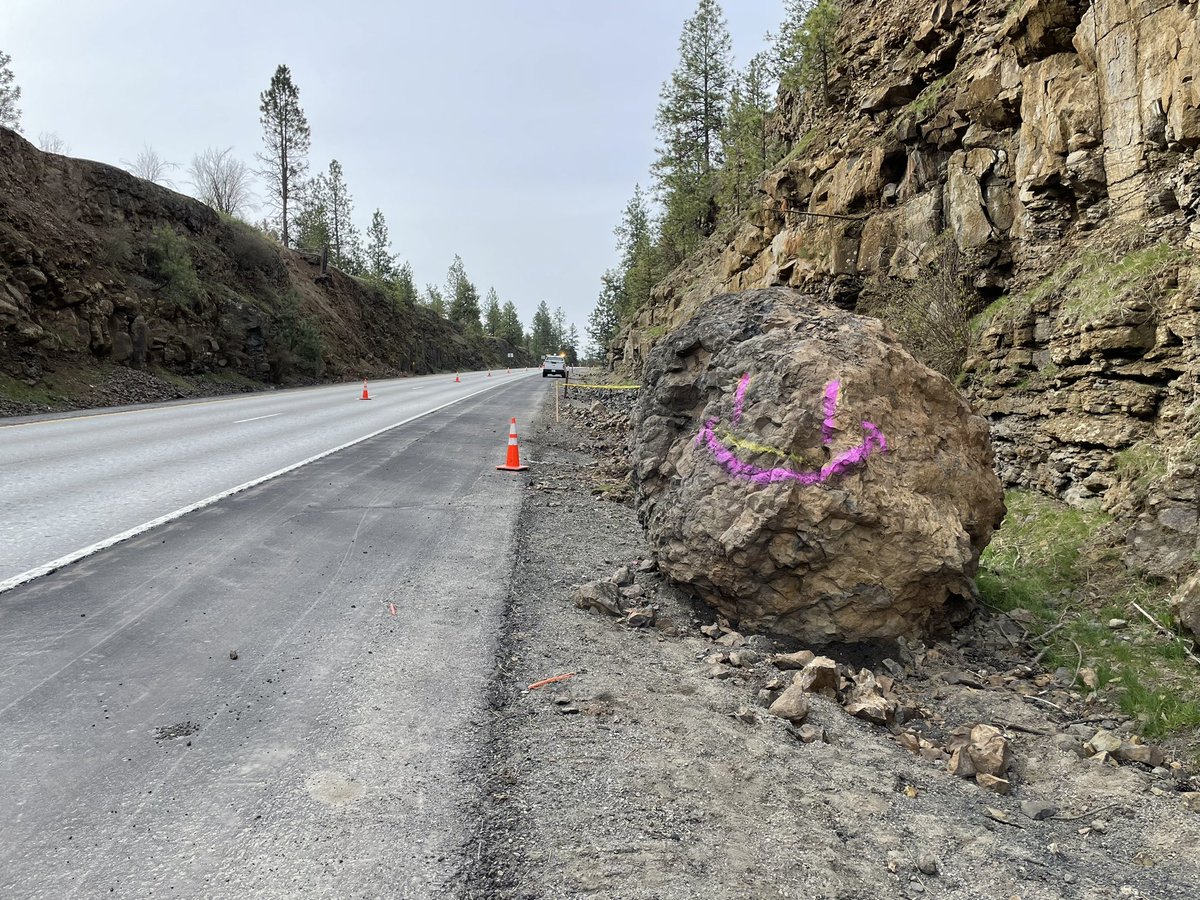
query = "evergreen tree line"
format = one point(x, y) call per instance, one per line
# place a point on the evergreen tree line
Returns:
point(715, 143)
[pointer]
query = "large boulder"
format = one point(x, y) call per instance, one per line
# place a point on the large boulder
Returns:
point(806, 476)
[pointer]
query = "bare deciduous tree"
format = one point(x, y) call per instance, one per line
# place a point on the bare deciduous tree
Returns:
point(52, 143)
point(150, 166)
point(221, 181)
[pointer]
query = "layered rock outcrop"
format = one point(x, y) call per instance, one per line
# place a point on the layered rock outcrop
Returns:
point(807, 476)
point(1058, 143)
point(97, 266)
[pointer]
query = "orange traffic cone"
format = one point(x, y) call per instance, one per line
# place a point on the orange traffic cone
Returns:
point(513, 463)
point(457, 380)
point(365, 395)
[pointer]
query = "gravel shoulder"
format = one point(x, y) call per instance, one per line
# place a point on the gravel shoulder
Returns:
point(656, 771)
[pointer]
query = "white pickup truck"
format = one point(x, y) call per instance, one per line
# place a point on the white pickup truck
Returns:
point(554, 365)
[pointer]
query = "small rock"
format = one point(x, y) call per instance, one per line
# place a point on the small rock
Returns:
point(1191, 801)
point(632, 591)
point(873, 708)
point(1137, 753)
point(820, 676)
point(747, 715)
point(233, 654)
point(791, 705)
point(641, 616)
point(623, 577)
point(1099, 826)
point(1103, 742)
point(731, 639)
point(647, 565)
point(1038, 809)
point(712, 631)
point(797, 660)
point(894, 668)
point(743, 658)
point(569, 710)
point(927, 863)
point(1067, 744)
point(811, 734)
point(960, 763)
point(602, 596)
point(1116, 624)
point(992, 783)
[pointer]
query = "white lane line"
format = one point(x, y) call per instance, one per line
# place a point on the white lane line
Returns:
point(30, 575)
point(256, 418)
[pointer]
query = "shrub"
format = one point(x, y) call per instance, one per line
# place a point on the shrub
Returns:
point(251, 251)
point(300, 344)
point(931, 314)
point(169, 263)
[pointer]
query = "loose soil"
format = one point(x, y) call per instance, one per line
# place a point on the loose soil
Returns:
point(652, 773)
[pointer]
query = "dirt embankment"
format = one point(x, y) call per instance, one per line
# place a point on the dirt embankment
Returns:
point(102, 270)
point(656, 771)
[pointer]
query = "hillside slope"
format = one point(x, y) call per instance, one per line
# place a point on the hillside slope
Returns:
point(101, 269)
point(1056, 143)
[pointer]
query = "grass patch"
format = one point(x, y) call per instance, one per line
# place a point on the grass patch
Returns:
point(807, 140)
point(1091, 285)
point(1140, 465)
point(19, 392)
point(927, 100)
point(1052, 560)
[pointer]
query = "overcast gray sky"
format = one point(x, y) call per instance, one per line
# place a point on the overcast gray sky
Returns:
point(511, 132)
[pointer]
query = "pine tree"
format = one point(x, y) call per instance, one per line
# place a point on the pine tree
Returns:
point(10, 94)
point(286, 139)
point(464, 299)
point(606, 317)
point(511, 329)
point(640, 269)
point(690, 117)
point(541, 332)
point(312, 219)
point(403, 287)
point(571, 345)
point(381, 262)
point(559, 329)
point(340, 207)
point(354, 254)
point(492, 315)
point(749, 147)
point(434, 300)
point(805, 51)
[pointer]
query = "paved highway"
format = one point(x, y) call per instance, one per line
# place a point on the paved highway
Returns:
point(362, 594)
point(70, 483)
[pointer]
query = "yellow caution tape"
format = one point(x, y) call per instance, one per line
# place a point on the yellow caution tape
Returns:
point(604, 387)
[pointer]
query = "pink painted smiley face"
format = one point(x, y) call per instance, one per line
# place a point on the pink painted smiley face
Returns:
point(874, 441)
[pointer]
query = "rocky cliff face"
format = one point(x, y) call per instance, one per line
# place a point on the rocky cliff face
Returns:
point(1058, 143)
point(97, 266)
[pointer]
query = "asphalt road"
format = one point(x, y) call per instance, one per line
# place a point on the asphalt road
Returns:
point(70, 483)
point(334, 757)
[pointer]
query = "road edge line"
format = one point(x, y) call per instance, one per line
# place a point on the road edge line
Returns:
point(92, 549)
